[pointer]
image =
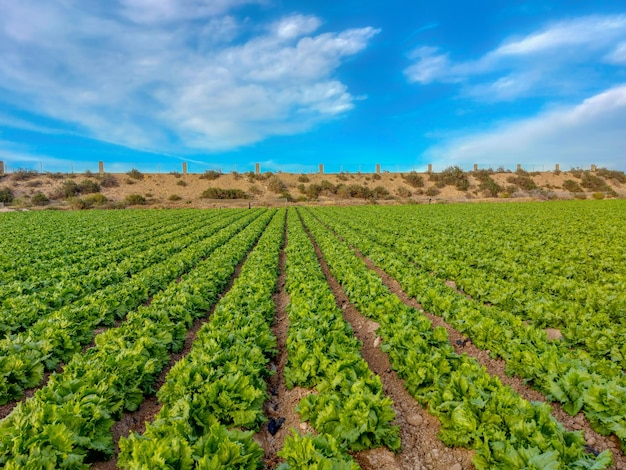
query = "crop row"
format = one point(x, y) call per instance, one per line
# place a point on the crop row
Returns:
point(568, 276)
point(474, 408)
point(20, 311)
point(348, 408)
point(571, 377)
point(117, 247)
point(219, 388)
point(67, 423)
point(36, 242)
point(60, 335)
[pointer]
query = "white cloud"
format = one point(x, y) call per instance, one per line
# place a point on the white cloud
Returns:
point(539, 63)
point(168, 73)
point(592, 131)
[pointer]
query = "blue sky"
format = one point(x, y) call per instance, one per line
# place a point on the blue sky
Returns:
point(223, 84)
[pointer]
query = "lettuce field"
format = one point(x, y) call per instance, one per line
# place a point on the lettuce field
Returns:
point(376, 337)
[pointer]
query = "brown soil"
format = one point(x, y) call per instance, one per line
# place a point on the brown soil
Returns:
point(135, 421)
point(157, 188)
point(496, 367)
point(421, 448)
point(282, 402)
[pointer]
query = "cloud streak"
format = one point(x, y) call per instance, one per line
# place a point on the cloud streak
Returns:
point(589, 132)
point(165, 75)
point(540, 63)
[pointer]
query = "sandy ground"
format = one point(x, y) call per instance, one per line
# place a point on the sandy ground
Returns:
point(158, 189)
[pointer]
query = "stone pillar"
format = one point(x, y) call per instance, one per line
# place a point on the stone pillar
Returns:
point(557, 168)
point(257, 169)
point(321, 168)
point(101, 167)
point(593, 168)
point(475, 167)
point(1, 168)
point(519, 167)
point(184, 168)
point(378, 168)
point(430, 168)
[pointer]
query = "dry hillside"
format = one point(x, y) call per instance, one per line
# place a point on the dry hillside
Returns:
point(29, 189)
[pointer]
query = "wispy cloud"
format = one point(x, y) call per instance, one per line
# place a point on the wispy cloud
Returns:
point(159, 75)
point(540, 63)
point(592, 131)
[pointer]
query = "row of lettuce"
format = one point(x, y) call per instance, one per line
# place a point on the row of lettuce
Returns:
point(561, 266)
point(67, 423)
point(57, 336)
point(571, 376)
point(24, 302)
point(475, 409)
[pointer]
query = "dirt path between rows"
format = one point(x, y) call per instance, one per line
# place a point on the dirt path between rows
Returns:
point(135, 421)
point(596, 443)
point(421, 448)
point(280, 408)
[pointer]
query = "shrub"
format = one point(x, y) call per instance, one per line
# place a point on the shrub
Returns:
point(6, 195)
point(328, 187)
point(210, 175)
point(612, 174)
point(77, 203)
point(24, 175)
point(107, 180)
point(276, 185)
point(342, 177)
point(302, 188)
point(129, 181)
point(523, 182)
point(175, 174)
point(451, 176)
point(576, 172)
point(580, 196)
point(254, 189)
point(572, 186)
point(490, 187)
point(96, 199)
point(313, 191)
point(40, 199)
point(432, 192)
point(380, 192)
point(135, 174)
point(303, 179)
point(219, 193)
point(69, 189)
point(174, 197)
point(361, 192)
point(88, 187)
point(414, 180)
point(55, 176)
point(181, 183)
point(33, 184)
point(376, 176)
point(135, 199)
point(598, 195)
point(592, 182)
point(403, 192)
point(236, 175)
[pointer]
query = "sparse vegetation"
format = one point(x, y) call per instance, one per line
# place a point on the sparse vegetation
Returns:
point(593, 182)
point(303, 178)
point(135, 174)
point(276, 185)
point(135, 199)
point(403, 192)
point(181, 183)
point(525, 183)
point(6, 195)
point(40, 199)
point(572, 186)
point(219, 193)
point(88, 186)
point(174, 197)
point(107, 180)
point(24, 175)
point(210, 175)
point(413, 179)
point(619, 176)
point(451, 176)
point(432, 191)
point(96, 199)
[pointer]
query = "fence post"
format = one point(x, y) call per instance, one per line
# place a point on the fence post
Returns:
point(257, 168)
point(321, 168)
point(378, 168)
point(519, 167)
point(557, 168)
point(594, 168)
point(430, 168)
point(184, 168)
point(475, 167)
point(1, 168)
point(101, 167)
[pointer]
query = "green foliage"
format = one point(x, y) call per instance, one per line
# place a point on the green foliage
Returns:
point(6, 195)
point(314, 453)
point(451, 176)
point(219, 193)
point(174, 197)
point(276, 185)
point(572, 186)
point(612, 174)
point(598, 195)
point(24, 175)
point(135, 174)
point(135, 199)
point(522, 181)
point(413, 179)
point(303, 179)
point(96, 199)
point(210, 175)
point(181, 183)
point(403, 192)
point(69, 189)
point(432, 191)
point(593, 182)
point(88, 186)
point(107, 180)
point(40, 199)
